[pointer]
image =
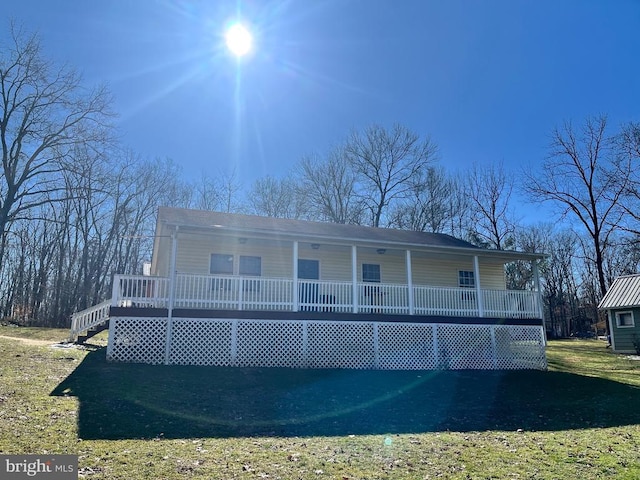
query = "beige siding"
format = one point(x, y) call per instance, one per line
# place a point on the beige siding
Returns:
point(161, 258)
point(445, 273)
point(194, 253)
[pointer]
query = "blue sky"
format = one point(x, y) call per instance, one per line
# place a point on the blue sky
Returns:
point(486, 80)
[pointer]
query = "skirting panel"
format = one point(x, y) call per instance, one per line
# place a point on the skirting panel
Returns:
point(325, 344)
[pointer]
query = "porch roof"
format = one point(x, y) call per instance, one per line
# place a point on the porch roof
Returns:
point(318, 232)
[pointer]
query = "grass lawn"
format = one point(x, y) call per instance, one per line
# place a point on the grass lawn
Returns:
point(580, 419)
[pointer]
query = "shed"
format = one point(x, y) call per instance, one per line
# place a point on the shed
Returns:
point(622, 305)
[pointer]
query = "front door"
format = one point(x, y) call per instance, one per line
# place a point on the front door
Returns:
point(308, 291)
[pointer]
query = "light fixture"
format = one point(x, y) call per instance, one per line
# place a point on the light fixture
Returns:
point(315, 246)
point(381, 251)
point(242, 240)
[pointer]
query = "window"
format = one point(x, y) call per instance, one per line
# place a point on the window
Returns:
point(466, 279)
point(251, 267)
point(221, 264)
point(624, 319)
point(373, 294)
point(370, 272)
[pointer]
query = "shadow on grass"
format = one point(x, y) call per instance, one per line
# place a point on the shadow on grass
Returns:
point(119, 401)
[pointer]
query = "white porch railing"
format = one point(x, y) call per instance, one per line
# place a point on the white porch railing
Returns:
point(91, 317)
point(263, 293)
point(140, 291)
point(460, 302)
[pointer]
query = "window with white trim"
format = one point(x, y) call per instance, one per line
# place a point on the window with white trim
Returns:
point(221, 264)
point(625, 319)
point(466, 279)
point(251, 267)
point(371, 272)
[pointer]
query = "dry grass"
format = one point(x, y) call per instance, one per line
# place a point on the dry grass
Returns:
point(578, 420)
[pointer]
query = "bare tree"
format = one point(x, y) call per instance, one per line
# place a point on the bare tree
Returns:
point(490, 189)
point(385, 161)
point(627, 166)
point(459, 204)
point(560, 289)
point(272, 197)
point(530, 239)
point(44, 115)
point(329, 186)
point(428, 205)
point(577, 177)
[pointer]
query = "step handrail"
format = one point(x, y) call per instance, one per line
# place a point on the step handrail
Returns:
point(88, 318)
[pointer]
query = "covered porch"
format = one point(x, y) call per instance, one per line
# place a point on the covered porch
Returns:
point(215, 292)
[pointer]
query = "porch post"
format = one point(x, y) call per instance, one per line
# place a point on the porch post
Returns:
point(294, 293)
point(409, 282)
point(536, 279)
point(354, 277)
point(115, 291)
point(172, 293)
point(539, 305)
point(476, 274)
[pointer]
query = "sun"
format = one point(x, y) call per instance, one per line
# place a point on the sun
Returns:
point(239, 39)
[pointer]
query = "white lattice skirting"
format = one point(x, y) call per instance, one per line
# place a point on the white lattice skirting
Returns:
point(325, 344)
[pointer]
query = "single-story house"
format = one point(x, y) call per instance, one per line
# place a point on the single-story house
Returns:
point(231, 289)
point(622, 305)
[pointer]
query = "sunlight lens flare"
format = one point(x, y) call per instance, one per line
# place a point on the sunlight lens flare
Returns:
point(239, 40)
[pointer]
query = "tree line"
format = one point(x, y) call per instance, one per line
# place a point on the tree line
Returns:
point(76, 207)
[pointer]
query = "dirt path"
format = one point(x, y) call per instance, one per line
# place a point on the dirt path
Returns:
point(29, 341)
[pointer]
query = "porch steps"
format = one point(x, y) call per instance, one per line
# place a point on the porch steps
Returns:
point(92, 331)
point(89, 322)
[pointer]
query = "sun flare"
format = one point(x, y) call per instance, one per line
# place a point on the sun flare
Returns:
point(239, 39)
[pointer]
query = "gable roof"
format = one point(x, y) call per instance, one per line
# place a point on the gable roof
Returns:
point(322, 231)
point(623, 292)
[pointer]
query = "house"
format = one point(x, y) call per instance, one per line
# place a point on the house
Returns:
point(622, 306)
point(230, 289)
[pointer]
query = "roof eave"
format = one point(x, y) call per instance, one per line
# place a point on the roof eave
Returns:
point(506, 255)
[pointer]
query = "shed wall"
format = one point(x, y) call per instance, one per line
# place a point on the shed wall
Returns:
point(623, 337)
